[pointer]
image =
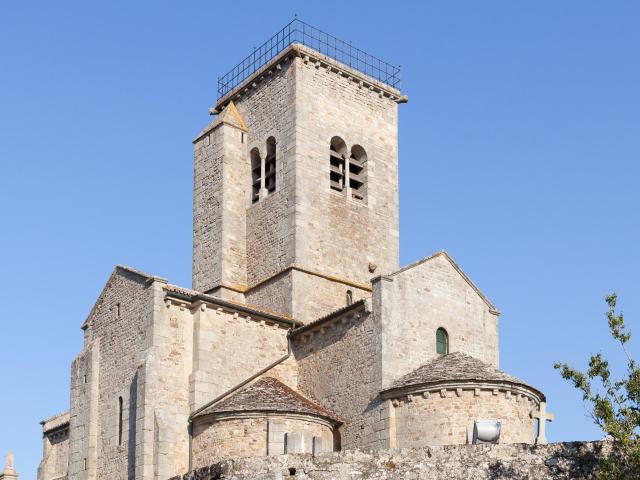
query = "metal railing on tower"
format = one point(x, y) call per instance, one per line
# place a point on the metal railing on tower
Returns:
point(297, 31)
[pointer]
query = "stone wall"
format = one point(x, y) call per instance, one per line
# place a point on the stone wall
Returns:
point(313, 295)
point(269, 111)
point(55, 455)
point(228, 348)
point(416, 301)
point(446, 417)
point(256, 435)
point(339, 367)
point(118, 332)
point(83, 421)
point(335, 234)
point(302, 104)
point(479, 462)
point(207, 210)
point(233, 437)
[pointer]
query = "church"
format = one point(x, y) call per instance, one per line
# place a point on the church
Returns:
point(300, 333)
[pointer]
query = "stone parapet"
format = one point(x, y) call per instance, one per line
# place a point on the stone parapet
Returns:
point(516, 461)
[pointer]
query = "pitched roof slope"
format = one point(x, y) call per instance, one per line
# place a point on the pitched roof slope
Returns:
point(460, 367)
point(269, 395)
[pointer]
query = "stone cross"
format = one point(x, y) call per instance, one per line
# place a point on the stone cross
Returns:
point(543, 417)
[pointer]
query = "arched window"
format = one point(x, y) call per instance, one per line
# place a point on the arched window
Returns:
point(120, 420)
point(442, 341)
point(349, 297)
point(270, 166)
point(358, 173)
point(256, 174)
point(337, 154)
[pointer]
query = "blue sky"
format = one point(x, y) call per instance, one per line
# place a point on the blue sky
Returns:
point(518, 155)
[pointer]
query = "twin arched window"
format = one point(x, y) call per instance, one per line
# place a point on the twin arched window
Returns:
point(442, 341)
point(348, 170)
point(263, 171)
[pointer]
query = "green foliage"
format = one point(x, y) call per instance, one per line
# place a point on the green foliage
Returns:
point(614, 404)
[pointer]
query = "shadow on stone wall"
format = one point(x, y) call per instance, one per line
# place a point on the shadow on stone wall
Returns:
point(131, 440)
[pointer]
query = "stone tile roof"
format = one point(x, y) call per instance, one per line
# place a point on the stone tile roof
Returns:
point(269, 395)
point(54, 422)
point(251, 309)
point(357, 305)
point(457, 367)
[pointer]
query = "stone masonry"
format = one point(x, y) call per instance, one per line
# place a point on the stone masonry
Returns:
point(55, 448)
point(559, 461)
point(300, 333)
point(299, 249)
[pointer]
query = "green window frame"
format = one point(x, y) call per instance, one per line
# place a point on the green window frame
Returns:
point(442, 341)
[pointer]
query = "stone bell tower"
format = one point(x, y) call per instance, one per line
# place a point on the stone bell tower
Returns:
point(296, 182)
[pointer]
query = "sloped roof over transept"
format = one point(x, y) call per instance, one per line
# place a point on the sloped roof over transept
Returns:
point(269, 395)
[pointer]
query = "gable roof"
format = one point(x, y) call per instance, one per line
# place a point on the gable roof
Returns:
point(232, 116)
point(118, 270)
point(445, 255)
point(269, 395)
point(457, 367)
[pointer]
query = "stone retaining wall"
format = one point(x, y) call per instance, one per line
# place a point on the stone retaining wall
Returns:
point(515, 461)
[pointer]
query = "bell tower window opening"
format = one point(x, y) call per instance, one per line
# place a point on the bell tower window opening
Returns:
point(358, 172)
point(337, 155)
point(256, 175)
point(442, 341)
point(270, 166)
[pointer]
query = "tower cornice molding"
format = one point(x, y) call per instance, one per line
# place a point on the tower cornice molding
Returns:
point(308, 55)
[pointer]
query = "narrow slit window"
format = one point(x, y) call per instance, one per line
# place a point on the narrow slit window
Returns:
point(337, 155)
point(256, 175)
point(349, 297)
point(442, 341)
point(120, 420)
point(270, 166)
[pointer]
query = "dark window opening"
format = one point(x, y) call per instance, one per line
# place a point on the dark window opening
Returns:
point(256, 174)
point(119, 420)
point(349, 297)
point(270, 166)
point(337, 154)
point(358, 172)
point(442, 341)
